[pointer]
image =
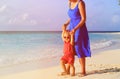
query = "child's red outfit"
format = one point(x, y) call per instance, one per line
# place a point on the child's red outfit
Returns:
point(68, 56)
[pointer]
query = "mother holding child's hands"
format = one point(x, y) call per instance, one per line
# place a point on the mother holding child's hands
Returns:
point(77, 26)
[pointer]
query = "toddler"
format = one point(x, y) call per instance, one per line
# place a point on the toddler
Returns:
point(67, 60)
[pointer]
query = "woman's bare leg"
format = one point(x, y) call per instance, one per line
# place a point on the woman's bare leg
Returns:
point(83, 64)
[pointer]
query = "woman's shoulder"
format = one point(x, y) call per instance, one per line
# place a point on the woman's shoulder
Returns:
point(69, 3)
point(81, 3)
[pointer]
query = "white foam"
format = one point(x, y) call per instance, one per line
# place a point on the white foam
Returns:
point(115, 33)
point(32, 55)
point(102, 44)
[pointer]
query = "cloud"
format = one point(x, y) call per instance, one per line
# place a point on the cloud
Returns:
point(3, 8)
point(23, 19)
point(33, 22)
point(116, 19)
point(25, 16)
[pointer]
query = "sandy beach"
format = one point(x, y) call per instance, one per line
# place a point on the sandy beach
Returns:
point(104, 65)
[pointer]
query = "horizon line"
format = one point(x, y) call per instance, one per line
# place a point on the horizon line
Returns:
point(53, 31)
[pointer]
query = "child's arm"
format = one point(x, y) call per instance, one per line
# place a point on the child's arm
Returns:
point(62, 35)
point(72, 39)
point(72, 43)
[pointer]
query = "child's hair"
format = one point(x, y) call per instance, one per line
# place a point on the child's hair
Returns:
point(67, 32)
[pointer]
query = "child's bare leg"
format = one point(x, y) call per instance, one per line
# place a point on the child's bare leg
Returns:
point(68, 68)
point(62, 63)
point(72, 69)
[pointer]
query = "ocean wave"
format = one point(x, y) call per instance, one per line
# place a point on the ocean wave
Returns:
point(116, 33)
point(20, 49)
point(31, 55)
point(102, 44)
point(6, 60)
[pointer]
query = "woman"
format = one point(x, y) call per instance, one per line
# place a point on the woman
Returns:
point(77, 26)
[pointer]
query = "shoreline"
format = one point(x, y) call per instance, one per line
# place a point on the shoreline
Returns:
point(104, 65)
point(34, 65)
point(41, 64)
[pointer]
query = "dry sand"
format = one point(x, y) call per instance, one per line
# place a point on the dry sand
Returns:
point(105, 65)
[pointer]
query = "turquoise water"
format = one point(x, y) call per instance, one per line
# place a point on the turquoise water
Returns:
point(17, 48)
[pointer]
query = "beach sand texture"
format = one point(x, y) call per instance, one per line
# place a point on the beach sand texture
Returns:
point(104, 65)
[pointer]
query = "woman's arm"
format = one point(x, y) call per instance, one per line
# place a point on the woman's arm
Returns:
point(65, 25)
point(67, 22)
point(82, 11)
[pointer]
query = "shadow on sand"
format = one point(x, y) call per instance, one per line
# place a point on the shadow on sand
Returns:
point(107, 70)
point(102, 71)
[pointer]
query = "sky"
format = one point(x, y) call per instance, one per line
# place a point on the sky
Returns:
point(46, 15)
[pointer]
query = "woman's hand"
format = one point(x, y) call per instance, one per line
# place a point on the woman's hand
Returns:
point(65, 25)
point(64, 28)
point(73, 31)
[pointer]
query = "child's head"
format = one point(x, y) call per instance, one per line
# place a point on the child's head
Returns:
point(66, 36)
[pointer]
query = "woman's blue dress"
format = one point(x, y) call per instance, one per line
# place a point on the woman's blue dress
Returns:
point(82, 44)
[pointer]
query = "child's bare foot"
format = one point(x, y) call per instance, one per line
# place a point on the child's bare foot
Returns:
point(63, 74)
point(81, 75)
point(72, 74)
point(68, 73)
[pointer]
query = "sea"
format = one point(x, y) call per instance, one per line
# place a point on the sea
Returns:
point(32, 50)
